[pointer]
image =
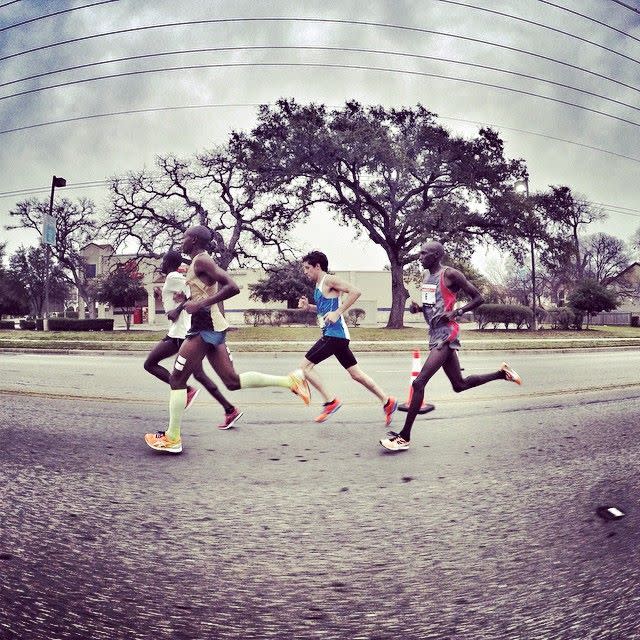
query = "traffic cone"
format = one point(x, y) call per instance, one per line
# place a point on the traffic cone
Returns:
point(416, 367)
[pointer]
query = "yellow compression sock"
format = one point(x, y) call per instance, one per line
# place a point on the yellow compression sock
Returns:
point(252, 379)
point(177, 402)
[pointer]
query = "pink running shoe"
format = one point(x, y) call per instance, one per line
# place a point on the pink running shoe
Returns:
point(192, 394)
point(230, 419)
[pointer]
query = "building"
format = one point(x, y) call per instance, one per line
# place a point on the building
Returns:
point(100, 259)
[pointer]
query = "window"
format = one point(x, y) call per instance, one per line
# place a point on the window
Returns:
point(90, 271)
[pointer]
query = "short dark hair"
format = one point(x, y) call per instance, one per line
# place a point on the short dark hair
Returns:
point(171, 261)
point(203, 234)
point(317, 257)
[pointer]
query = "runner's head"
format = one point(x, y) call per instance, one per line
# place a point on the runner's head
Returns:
point(431, 253)
point(171, 261)
point(196, 239)
point(314, 264)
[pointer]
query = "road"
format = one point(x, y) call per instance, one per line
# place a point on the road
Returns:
point(485, 529)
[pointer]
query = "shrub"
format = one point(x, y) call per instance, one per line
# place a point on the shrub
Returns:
point(564, 318)
point(505, 314)
point(28, 324)
point(354, 316)
point(7, 324)
point(71, 324)
point(294, 316)
point(258, 316)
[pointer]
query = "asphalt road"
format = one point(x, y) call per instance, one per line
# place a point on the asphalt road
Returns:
point(485, 528)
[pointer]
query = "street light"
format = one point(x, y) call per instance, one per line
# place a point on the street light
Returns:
point(522, 186)
point(49, 238)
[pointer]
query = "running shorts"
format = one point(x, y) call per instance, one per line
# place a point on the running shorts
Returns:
point(329, 346)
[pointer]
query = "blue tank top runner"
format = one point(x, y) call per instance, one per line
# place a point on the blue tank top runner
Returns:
point(324, 305)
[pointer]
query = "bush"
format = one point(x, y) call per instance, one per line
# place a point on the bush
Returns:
point(28, 324)
point(354, 316)
point(505, 314)
point(71, 324)
point(565, 318)
point(7, 324)
point(258, 316)
point(277, 317)
point(294, 316)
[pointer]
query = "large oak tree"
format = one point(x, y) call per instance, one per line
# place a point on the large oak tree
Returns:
point(396, 175)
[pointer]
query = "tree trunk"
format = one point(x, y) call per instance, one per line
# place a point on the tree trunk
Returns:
point(399, 297)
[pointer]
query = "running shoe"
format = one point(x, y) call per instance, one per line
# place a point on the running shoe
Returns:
point(192, 394)
point(230, 419)
point(394, 442)
point(328, 408)
point(300, 386)
point(160, 442)
point(389, 409)
point(510, 374)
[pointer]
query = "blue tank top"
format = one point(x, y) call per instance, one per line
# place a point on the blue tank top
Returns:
point(324, 305)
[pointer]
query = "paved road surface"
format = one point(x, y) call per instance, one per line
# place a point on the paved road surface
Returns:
point(282, 528)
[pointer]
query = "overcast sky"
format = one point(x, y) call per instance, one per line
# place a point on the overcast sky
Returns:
point(599, 157)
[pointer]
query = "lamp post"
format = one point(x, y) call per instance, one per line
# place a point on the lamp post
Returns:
point(49, 238)
point(522, 186)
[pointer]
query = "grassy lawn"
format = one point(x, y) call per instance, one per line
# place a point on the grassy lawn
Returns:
point(258, 338)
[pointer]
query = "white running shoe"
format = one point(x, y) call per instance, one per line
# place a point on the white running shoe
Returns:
point(394, 442)
point(510, 374)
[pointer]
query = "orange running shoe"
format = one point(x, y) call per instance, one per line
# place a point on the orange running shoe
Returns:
point(160, 442)
point(300, 386)
point(328, 408)
point(389, 409)
point(510, 374)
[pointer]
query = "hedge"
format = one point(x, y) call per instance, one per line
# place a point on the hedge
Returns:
point(7, 324)
point(70, 324)
point(505, 314)
point(278, 317)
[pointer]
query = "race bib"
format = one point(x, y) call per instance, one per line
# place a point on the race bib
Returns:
point(428, 293)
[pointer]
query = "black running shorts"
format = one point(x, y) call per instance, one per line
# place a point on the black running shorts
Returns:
point(329, 346)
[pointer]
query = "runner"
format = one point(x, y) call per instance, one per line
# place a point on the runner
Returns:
point(209, 285)
point(335, 335)
point(174, 291)
point(439, 288)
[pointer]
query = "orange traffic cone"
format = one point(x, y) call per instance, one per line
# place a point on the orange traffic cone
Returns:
point(416, 367)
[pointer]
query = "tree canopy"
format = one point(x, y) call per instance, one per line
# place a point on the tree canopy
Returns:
point(396, 175)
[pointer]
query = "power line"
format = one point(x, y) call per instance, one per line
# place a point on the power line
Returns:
point(254, 105)
point(50, 15)
point(543, 26)
point(6, 4)
point(322, 21)
point(583, 15)
point(325, 66)
point(624, 4)
point(308, 48)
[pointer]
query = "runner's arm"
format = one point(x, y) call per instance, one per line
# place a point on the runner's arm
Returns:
point(303, 303)
point(352, 294)
point(208, 271)
point(458, 282)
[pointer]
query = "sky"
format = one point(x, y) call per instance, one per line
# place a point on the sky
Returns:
point(589, 142)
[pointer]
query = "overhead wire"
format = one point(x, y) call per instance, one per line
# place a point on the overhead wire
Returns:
point(325, 66)
point(592, 19)
point(322, 21)
point(6, 4)
point(541, 25)
point(302, 48)
point(56, 13)
point(627, 6)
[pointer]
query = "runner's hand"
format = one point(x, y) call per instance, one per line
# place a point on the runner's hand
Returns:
point(173, 315)
point(414, 307)
point(179, 296)
point(192, 306)
point(303, 303)
point(331, 317)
